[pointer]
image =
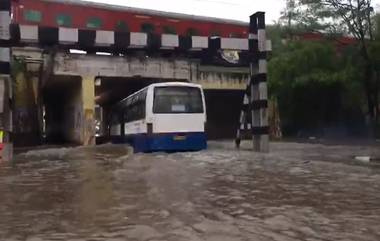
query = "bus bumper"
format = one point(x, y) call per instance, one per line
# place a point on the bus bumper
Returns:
point(170, 142)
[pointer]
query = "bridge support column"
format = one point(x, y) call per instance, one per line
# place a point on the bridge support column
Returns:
point(254, 116)
point(259, 90)
point(88, 114)
point(6, 146)
point(25, 114)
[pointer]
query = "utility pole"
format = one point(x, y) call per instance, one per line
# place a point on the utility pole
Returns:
point(254, 115)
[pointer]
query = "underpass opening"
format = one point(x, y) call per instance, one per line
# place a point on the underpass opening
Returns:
point(223, 111)
point(62, 110)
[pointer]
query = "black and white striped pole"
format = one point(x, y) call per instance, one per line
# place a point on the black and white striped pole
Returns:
point(254, 114)
point(5, 80)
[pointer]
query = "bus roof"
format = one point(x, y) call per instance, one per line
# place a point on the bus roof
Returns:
point(163, 84)
point(175, 84)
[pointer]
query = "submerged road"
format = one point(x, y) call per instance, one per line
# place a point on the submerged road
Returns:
point(297, 192)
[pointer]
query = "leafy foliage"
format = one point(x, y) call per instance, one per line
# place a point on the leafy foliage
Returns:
point(353, 71)
point(309, 15)
point(376, 27)
point(315, 86)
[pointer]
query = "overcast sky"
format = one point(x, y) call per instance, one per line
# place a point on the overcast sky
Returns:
point(230, 9)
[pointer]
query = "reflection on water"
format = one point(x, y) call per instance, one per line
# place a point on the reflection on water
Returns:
point(106, 193)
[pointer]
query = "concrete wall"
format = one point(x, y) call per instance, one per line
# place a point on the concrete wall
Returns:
point(221, 78)
point(88, 106)
point(26, 111)
point(70, 110)
point(210, 77)
point(5, 113)
point(112, 66)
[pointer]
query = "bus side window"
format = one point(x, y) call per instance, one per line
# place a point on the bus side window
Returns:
point(135, 108)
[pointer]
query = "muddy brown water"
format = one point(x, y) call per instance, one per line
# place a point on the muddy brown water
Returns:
point(296, 192)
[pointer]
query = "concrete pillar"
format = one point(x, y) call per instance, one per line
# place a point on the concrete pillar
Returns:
point(5, 82)
point(254, 115)
point(88, 114)
point(6, 145)
point(259, 93)
point(25, 116)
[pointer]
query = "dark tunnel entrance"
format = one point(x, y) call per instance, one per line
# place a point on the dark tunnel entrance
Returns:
point(62, 105)
point(63, 109)
point(223, 111)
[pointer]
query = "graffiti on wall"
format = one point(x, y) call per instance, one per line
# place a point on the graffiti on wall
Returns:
point(25, 117)
point(22, 120)
point(89, 127)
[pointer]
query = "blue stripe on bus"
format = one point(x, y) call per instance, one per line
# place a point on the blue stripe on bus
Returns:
point(193, 141)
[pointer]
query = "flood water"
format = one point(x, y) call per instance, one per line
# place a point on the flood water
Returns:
point(297, 192)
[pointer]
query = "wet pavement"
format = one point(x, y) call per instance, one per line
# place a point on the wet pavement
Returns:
point(296, 192)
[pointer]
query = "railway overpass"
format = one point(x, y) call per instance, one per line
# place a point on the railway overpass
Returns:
point(65, 79)
point(80, 88)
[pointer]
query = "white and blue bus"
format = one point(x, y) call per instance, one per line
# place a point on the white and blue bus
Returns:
point(162, 117)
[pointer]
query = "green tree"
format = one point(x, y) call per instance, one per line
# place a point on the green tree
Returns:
point(290, 14)
point(355, 18)
point(315, 86)
point(308, 15)
point(277, 34)
point(374, 55)
point(376, 27)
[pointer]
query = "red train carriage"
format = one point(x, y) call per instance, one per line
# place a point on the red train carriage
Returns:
point(85, 15)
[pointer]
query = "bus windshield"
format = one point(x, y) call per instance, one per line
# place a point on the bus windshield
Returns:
point(177, 99)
